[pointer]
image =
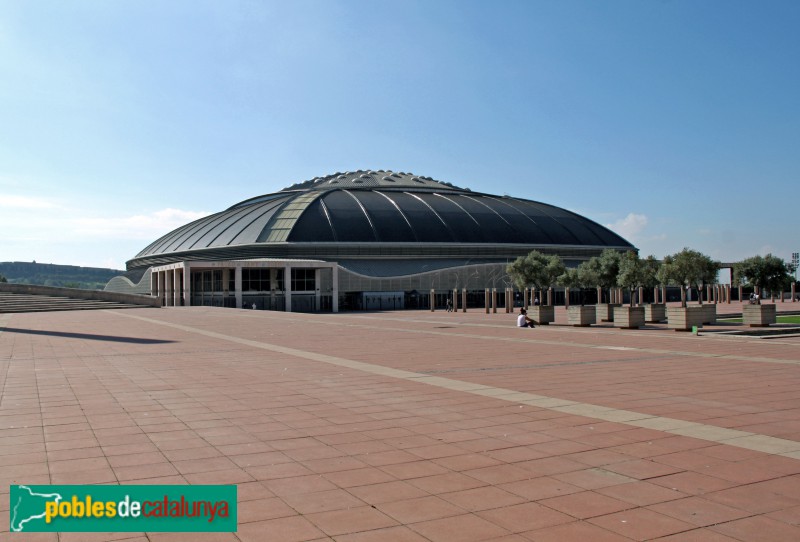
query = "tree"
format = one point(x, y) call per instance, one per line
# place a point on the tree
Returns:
point(536, 269)
point(689, 268)
point(571, 278)
point(3, 279)
point(635, 272)
point(768, 272)
point(602, 271)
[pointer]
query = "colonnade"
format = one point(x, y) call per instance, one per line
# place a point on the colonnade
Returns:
point(172, 282)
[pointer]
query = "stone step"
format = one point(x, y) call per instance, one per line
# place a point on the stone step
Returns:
point(16, 303)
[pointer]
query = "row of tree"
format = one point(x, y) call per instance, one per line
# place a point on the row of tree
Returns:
point(613, 269)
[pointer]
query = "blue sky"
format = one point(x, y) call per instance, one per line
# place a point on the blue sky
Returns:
point(675, 123)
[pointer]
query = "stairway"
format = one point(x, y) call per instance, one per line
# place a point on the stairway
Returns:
point(14, 302)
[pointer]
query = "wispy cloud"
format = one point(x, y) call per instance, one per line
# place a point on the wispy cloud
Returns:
point(629, 227)
point(8, 201)
point(144, 226)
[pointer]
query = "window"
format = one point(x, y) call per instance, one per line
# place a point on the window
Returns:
point(303, 280)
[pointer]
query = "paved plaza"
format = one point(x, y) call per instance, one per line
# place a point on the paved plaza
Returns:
point(410, 426)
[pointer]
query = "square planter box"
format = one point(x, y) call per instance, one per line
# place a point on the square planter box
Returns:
point(655, 312)
point(605, 311)
point(542, 314)
point(581, 315)
point(710, 313)
point(628, 317)
point(758, 315)
point(683, 318)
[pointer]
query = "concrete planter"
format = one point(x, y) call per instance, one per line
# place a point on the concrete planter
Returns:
point(710, 312)
point(581, 315)
point(605, 311)
point(542, 314)
point(655, 312)
point(759, 315)
point(628, 317)
point(683, 318)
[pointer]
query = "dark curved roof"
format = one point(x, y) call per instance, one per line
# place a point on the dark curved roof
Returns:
point(385, 207)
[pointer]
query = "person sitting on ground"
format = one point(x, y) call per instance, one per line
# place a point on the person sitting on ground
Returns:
point(536, 301)
point(523, 320)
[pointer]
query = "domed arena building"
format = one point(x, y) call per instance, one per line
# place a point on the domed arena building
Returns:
point(361, 240)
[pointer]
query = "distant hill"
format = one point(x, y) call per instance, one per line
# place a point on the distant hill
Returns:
point(48, 274)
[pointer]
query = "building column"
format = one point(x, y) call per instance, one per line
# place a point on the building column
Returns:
point(157, 279)
point(525, 298)
point(741, 293)
point(494, 300)
point(566, 297)
point(794, 292)
point(177, 290)
point(433, 300)
point(187, 284)
point(550, 297)
point(153, 284)
point(455, 300)
point(317, 284)
point(168, 288)
point(287, 287)
point(463, 300)
point(237, 285)
point(486, 301)
point(160, 288)
point(335, 287)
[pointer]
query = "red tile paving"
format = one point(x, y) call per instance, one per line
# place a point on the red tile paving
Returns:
point(323, 448)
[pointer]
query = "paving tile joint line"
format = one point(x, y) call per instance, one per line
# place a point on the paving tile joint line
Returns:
point(711, 433)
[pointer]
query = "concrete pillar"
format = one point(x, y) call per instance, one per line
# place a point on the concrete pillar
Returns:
point(599, 295)
point(463, 300)
point(335, 283)
point(455, 300)
point(160, 287)
point(708, 292)
point(728, 293)
point(237, 285)
point(177, 290)
point(226, 280)
point(641, 295)
point(782, 300)
point(287, 287)
point(525, 298)
point(168, 288)
point(187, 285)
point(486, 301)
point(566, 297)
point(794, 292)
point(741, 293)
point(317, 283)
point(153, 284)
point(509, 300)
point(550, 297)
point(433, 300)
point(494, 300)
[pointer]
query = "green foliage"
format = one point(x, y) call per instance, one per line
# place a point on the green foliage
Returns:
point(70, 276)
point(536, 269)
point(635, 272)
point(3, 279)
point(768, 272)
point(691, 268)
point(571, 278)
point(688, 268)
